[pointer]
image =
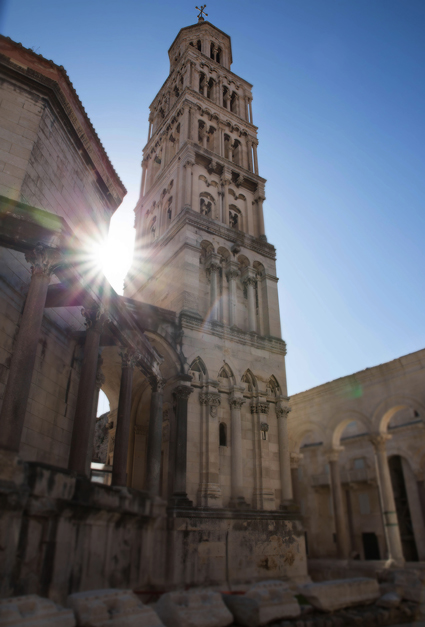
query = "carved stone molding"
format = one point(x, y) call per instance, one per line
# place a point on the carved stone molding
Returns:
point(264, 427)
point(44, 260)
point(260, 408)
point(249, 281)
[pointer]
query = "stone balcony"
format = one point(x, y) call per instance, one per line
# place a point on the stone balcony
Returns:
point(359, 475)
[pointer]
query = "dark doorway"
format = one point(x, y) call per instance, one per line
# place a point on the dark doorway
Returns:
point(370, 546)
point(402, 508)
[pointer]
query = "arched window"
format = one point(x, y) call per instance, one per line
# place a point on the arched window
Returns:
point(152, 229)
point(205, 207)
point(169, 211)
point(218, 56)
point(222, 431)
point(233, 103)
point(212, 51)
point(198, 44)
point(202, 83)
point(234, 217)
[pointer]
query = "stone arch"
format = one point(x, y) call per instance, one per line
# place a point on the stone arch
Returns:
point(224, 253)
point(337, 424)
point(390, 406)
point(299, 433)
point(244, 261)
point(198, 370)
point(207, 205)
point(272, 387)
point(259, 268)
point(250, 379)
point(235, 217)
point(226, 376)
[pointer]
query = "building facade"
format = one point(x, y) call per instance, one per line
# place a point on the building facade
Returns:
point(358, 463)
point(201, 250)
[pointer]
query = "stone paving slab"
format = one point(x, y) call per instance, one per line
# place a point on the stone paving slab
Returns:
point(194, 608)
point(34, 611)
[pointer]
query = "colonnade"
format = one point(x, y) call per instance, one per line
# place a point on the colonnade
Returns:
point(45, 261)
point(389, 514)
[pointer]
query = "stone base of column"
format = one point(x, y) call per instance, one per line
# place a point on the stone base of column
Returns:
point(239, 503)
point(180, 499)
point(210, 495)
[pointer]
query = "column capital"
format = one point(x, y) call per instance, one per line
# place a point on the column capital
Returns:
point(95, 317)
point(282, 412)
point(156, 382)
point(296, 458)
point(332, 455)
point(379, 441)
point(129, 357)
point(236, 402)
point(182, 391)
point(44, 260)
point(249, 276)
point(212, 400)
point(232, 270)
point(213, 263)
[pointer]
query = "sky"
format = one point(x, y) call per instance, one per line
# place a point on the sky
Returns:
point(339, 99)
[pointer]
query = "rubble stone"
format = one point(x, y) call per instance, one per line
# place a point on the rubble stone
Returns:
point(194, 608)
point(335, 595)
point(34, 611)
point(263, 603)
point(112, 608)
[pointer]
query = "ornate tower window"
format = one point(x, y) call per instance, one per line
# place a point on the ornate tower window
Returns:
point(223, 434)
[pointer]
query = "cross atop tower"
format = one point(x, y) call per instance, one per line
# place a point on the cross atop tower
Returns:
point(201, 12)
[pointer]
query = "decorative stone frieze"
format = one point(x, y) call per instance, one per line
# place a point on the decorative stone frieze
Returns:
point(212, 400)
point(95, 317)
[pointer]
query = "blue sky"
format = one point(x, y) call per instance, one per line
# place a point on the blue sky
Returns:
point(339, 99)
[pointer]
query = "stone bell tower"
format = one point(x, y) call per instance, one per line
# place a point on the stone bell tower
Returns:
point(201, 251)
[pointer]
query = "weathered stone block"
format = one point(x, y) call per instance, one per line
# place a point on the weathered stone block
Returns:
point(335, 595)
point(195, 608)
point(112, 608)
point(263, 603)
point(389, 600)
point(34, 611)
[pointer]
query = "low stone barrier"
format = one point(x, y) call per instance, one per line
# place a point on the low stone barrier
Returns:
point(195, 608)
point(112, 608)
point(34, 610)
point(263, 603)
point(329, 596)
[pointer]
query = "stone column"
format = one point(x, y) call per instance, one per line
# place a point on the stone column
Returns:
point(155, 436)
point(389, 513)
point(187, 190)
point(119, 469)
point(225, 182)
point(338, 505)
point(184, 127)
point(232, 273)
point(213, 268)
point(259, 199)
point(251, 119)
point(254, 145)
point(249, 146)
point(249, 280)
point(144, 170)
point(45, 262)
point(237, 482)
point(246, 109)
point(295, 459)
point(95, 322)
point(210, 491)
point(181, 394)
point(100, 380)
point(282, 411)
